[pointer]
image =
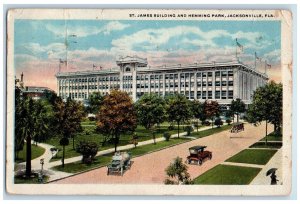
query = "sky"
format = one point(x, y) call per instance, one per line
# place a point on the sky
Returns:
point(40, 44)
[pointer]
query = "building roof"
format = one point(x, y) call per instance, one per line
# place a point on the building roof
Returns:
point(162, 68)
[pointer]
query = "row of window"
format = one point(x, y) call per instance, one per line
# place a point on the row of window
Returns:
point(152, 85)
point(146, 77)
point(199, 94)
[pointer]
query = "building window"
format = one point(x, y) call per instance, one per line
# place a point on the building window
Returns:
point(230, 83)
point(217, 95)
point(204, 95)
point(230, 73)
point(198, 94)
point(224, 83)
point(224, 95)
point(217, 83)
point(224, 73)
point(209, 94)
point(230, 94)
point(210, 83)
point(217, 74)
point(209, 74)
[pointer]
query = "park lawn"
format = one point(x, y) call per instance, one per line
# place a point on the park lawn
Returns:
point(273, 144)
point(272, 137)
point(33, 180)
point(78, 166)
point(89, 134)
point(227, 175)
point(208, 132)
point(253, 156)
point(36, 152)
point(103, 160)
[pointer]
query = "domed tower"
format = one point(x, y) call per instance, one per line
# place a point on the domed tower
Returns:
point(128, 69)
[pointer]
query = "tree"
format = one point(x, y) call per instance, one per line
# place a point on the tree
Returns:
point(95, 100)
point(237, 107)
point(19, 109)
point(198, 111)
point(211, 110)
point(31, 121)
point(44, 116)
point(88, 151)
point(177, 173)
point(116, 116)
point(267, 106)
point(218, 122)
point(68, 117)
point(150, 109)
point(178, 109)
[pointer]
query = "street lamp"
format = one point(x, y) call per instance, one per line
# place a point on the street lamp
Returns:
point(42, 164)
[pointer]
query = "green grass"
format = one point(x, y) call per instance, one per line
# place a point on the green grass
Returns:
point(89, 134)
point(228, 175)
point(76, 167)
point(253, 156)
point(272, 137)
point(262, 144)
point(210, 131)
point(32, 180)
point(102, 160)
point(36, 152)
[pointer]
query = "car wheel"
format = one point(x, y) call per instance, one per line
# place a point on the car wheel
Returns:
point(199, 162)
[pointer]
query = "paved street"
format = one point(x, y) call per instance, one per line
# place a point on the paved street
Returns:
point(150, 168)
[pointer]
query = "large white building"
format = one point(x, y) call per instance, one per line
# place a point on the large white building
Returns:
point(218, 81)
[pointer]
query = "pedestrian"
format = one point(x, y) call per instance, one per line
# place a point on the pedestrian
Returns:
point(273, 179)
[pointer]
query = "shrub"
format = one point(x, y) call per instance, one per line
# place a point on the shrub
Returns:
point(92, 118)
point(218, 122)
point(206, 123)
point(188, 129)
point(228, 121)
point(134, 139)
point(167, 136)
point(171, 127)
point(88, 151)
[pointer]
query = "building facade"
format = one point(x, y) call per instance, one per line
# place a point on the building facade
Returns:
point(222, 82)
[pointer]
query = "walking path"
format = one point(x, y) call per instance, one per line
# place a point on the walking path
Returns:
point(243, 164)
point(150, 168)
point(275, 162)
point(35, 164)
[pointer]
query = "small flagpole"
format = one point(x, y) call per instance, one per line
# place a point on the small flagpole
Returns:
point(255, 60)
point(236, 48)
point(265, 66)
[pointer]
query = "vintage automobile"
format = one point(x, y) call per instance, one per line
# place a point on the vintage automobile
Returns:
point(121, 161)
point(237, 127)
point(198, 155)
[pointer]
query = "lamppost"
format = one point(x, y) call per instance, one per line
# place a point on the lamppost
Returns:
point(42, 164)
point(41, 172)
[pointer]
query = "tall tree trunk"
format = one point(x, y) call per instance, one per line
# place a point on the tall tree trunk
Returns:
point(63, 157)
point(153, 136)
point(266, 132)
point(178, 128)
point(28, 156)
point(197, 125)
point(237, 118)
point(115, 143)
point(73, 142)
point(212, 123)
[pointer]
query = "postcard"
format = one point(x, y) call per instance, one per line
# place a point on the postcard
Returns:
point(149, 102)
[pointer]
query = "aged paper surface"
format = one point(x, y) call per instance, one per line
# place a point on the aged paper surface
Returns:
point(49, 46)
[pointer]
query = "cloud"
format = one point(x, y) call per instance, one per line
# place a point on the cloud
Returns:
point(150, 39)
point(85, 30)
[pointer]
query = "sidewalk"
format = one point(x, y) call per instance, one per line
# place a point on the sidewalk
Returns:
point(275, 162)
point(35, 164)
